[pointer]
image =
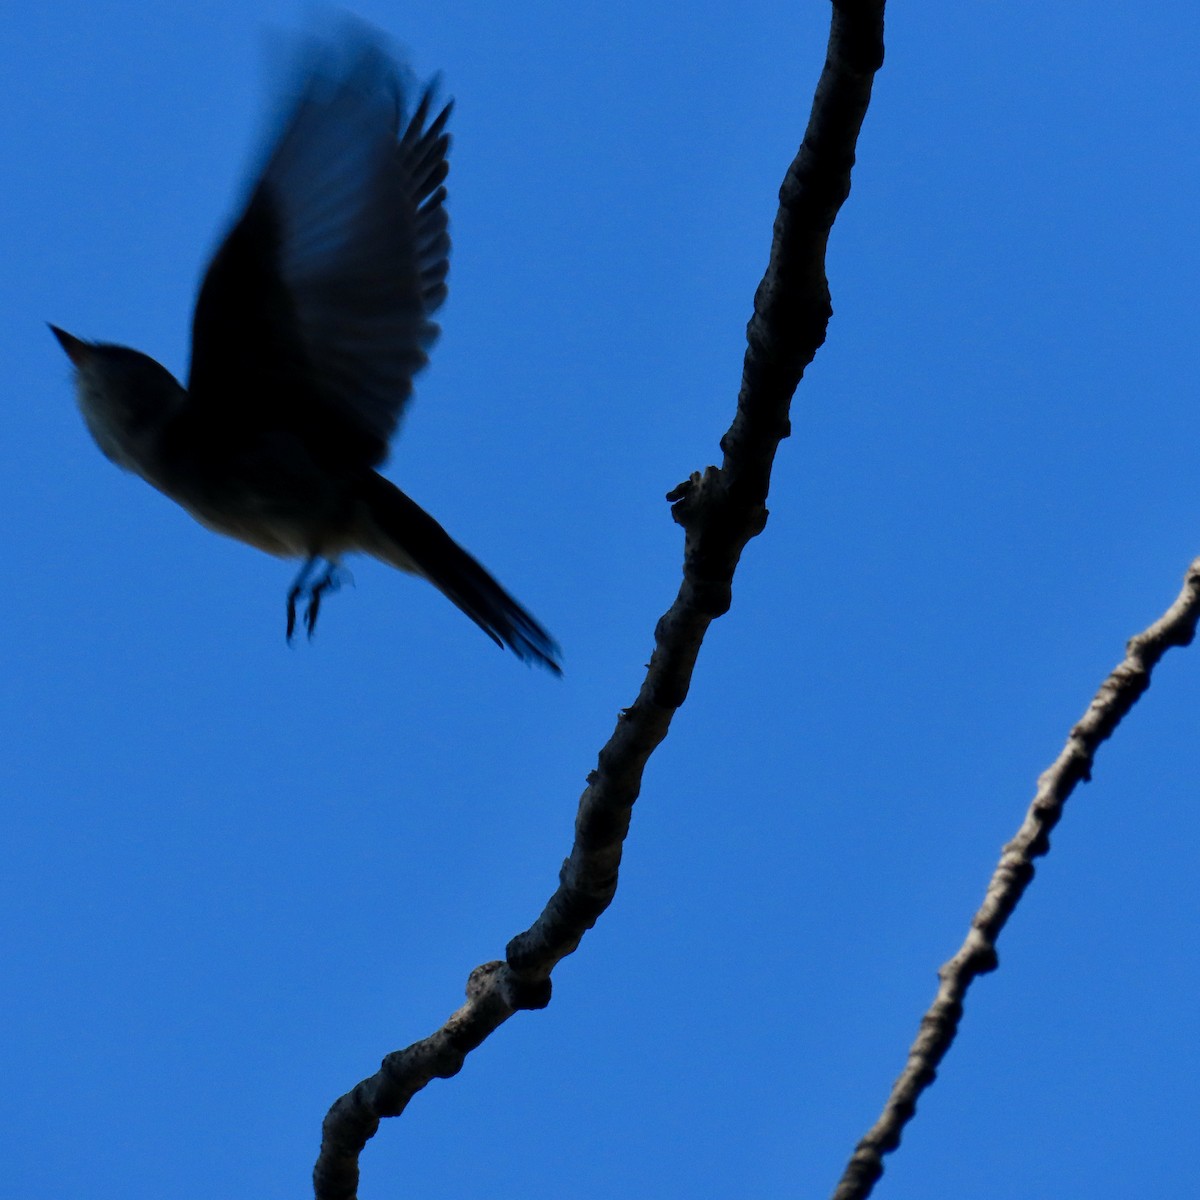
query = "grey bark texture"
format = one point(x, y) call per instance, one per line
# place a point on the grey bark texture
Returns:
point(977, 955)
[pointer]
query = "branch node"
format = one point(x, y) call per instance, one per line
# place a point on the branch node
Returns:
point(697, 496)
point(528, 993)
point(482, 978)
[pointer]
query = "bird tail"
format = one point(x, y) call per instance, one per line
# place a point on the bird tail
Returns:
point(403, 534)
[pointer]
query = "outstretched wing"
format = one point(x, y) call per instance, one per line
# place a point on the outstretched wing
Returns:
point(315, 313)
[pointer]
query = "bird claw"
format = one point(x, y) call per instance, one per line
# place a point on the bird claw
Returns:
point(293, 596)
point(331, 581)
point(310, 612)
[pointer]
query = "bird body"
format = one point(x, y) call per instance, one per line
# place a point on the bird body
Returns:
point(312, 319)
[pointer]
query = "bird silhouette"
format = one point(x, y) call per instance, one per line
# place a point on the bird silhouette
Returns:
point(312, 319)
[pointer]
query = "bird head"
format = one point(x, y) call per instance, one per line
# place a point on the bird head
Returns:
point(125, 397)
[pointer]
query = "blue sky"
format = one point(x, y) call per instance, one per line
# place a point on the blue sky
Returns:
point(236, 874)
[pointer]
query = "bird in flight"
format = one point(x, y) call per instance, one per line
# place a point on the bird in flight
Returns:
point(312, 319)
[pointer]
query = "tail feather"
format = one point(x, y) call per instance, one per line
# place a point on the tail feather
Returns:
point(406, 536)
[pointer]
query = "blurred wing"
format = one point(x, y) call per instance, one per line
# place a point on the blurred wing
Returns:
point(314, 314)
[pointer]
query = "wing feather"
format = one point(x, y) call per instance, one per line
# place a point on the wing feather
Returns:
point(315, 313)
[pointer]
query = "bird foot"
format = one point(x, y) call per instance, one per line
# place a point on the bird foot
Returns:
point(330, 581)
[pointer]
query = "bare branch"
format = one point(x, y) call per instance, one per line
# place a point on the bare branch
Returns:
point(720, 510)
point(977, 955)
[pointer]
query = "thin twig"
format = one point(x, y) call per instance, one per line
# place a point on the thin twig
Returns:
point(1117, 695)
point(720, 511)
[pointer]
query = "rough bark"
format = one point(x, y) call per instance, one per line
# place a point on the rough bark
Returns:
point(720, 509)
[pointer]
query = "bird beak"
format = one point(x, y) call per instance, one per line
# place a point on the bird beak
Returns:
point(78, 351)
